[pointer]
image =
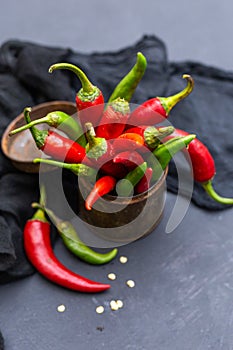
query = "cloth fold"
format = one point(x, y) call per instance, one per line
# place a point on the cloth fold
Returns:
point(25, 81)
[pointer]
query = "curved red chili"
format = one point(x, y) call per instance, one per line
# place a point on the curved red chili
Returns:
point(203, 166)
point(102, 186)
point(202, 161)
point(39, 251)
point(54, 144)
point(154, 111)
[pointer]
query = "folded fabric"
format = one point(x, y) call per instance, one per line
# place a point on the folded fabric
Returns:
point(1, 342)
point(24, 81)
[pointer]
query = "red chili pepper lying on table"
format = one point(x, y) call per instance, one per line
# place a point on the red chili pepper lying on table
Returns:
point(55, 145)
point(154, 111)
point(203, 166)
point(113, 120)
point(89, 99)
point(102, 186)
point(39, 251)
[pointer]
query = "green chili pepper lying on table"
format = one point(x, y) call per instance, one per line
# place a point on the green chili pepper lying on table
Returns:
point(74, 244)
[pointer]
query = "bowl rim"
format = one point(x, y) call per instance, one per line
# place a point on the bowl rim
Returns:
point(5, 135)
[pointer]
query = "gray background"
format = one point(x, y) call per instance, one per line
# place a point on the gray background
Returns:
point(184, 281)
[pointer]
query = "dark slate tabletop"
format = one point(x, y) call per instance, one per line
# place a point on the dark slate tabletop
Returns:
point(183, 291)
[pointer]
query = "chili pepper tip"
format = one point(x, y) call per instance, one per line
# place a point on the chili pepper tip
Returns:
point(35, 205)
point(27, 110)
point(189, 78)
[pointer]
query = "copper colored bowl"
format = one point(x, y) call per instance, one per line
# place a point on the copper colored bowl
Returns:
point(20, 148)
point(122, 219)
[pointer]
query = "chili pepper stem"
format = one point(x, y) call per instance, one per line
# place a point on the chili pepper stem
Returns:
point(38, 135)
point(49, 212)
point(96, 146)
point(29, 125)
point(53, 162)
point(74, 243)
point(77, 169)
point(86, 84)
point(169, 102)
point(211, 192)
point(39, 214)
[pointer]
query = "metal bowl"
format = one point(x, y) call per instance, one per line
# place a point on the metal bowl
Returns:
point(20, 148)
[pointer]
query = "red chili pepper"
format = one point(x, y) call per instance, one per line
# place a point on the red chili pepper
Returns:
point(89, 99)
point(113, 120)
point(128, 141)
point(152, 136)
point(54, 144)
point(203, 166)
point(202, 161)
point(105, 163)
point(154, 111)
point(114, 169)
point(129, 159)
point(144, 184)
point(39, 251)
point(137, 129)
point(102, 186)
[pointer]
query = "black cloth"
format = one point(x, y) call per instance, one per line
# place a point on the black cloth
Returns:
point(24, 81)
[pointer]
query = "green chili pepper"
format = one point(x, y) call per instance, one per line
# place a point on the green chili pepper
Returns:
point(162, 155)
point(153, 135)
point(97, 146)
point(73, 243)
point(61, 120)
point(126, 87)
point(125, 186)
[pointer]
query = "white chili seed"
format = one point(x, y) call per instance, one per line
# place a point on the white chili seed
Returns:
point(112, 276)
point(123, 259)
point(61, 308)
point(99, 309)
point(130, 283)
point(113, 305)
point(119, 303)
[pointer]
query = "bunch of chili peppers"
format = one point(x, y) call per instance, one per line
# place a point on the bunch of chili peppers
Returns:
point(119, 151)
